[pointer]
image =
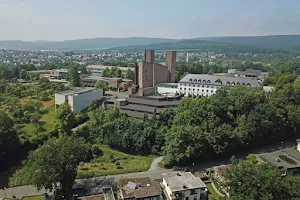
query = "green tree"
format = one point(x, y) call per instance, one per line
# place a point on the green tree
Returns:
point(54, 165)
point(130, 74)
point(73, 76)
point(118, 73)
point(65, 118)
point(23, 74)
point(106, 72)
point(100, 84)
point(8, 139)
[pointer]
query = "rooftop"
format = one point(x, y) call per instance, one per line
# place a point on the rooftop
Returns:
point(178, 181)
point(78, 90)
point(286, 158)
point(139, 188)
point(220, 80)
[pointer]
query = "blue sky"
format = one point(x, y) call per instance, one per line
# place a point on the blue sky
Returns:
point(74, 19)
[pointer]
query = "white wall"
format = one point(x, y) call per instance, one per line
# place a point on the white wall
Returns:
point(79, 102)
point(196, 89)
point(60, 98)
point(164, 90)
point(187, 193)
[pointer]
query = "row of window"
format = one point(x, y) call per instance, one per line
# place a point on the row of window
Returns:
point(189, 89)
point(196, 85)
point(220, 82)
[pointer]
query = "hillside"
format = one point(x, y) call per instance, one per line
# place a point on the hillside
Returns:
point(203, 45)
point(81, 44)
point(277, 41)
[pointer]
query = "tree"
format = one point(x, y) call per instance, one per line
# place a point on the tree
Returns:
point(106, 72)
point(8, 139)
point(100, 84)
point(3, 72)
point(23, 74)
point(118, 73)
point(130, 74)
point(65, 118)
point(53, 166)
point(73, 76)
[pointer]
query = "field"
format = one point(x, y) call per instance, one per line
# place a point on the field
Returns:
point(114, 162)
point(212, 192)
point(219, 74)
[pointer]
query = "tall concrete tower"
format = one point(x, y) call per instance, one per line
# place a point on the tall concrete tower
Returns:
point(171, 63)
point(149, 56)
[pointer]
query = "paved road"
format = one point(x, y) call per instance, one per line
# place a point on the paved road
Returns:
point(154, 166)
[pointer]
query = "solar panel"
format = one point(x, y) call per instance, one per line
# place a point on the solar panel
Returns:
point(131, 185)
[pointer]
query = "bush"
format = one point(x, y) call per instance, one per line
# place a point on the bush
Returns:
point(96, 151)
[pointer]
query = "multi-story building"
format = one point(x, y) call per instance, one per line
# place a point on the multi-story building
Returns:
point(55, 74)
point(206, 85)
point(183, 186)
point(148, 73)
point(78, 98)
point(141, 107)
point(98, 69)
point(140, 188)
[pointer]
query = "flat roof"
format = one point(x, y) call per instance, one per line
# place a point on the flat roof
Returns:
point(109, 67)
point(285, 158)
point(78, 90)
point(179, 181)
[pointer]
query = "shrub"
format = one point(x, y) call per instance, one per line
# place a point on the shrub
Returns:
point(96, 151)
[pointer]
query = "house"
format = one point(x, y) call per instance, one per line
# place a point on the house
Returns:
point(285, 159)
point(139, 188)
point(183, 186)
point(206, 85)
point(78, 98)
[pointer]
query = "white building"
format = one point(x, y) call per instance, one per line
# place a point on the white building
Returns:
point(184, 186)
point(98, 69)
point(206, 85)
point(166, 89)
point(78, 98)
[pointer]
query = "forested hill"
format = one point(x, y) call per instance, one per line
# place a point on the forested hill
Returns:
point(277, 41)
point(81, 44)
point(204, 45)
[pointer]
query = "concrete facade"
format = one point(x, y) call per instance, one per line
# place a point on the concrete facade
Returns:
point(149, 56)
point(98, 69)
point(160, 74)
point(145, 72)
point(166, 89)
point(78, 98)
point(171, 64)
point(184, 186)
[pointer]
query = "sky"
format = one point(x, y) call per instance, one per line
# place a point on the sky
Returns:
point(58, 20)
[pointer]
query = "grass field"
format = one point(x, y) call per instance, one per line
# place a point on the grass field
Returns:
point(212, 192)
point(114, 162)
point(33, 198)
point(219, 74)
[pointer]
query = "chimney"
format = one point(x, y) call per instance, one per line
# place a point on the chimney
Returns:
point(298, 144)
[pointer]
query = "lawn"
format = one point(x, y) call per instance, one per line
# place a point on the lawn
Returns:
point(212, 192)
point(219, 74)
point(114, 162)
point(33, 198)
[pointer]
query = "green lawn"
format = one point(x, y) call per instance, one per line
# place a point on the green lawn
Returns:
point(219, 74)
point(33, 198)
point(212, 192)
point(107, 164)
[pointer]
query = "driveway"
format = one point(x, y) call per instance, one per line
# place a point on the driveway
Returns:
point(154, 165)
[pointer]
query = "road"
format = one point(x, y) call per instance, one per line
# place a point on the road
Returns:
point(154, 166)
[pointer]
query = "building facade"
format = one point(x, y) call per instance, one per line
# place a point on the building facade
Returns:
point(206, 85)
point(183, 186)
point(78, 98)
point(148, 73)
point(98, 69)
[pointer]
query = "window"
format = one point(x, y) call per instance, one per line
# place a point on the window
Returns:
point(180, 88)
point(212, 86)
point(193, 89)
point(202, 85)
point(189, 84)
point(208, 81)
point(207, 91)
point(202, 90)
point(180, 84)
point(195, 80)
point(195, 198)
point(212, 91)
point(189, 89)
point(184, 84)
point(198, 90)
point(186, 198)
point(193, 192)
point(191, 80)
point(202, 196)
point(208, 86)
point(193, 85)
point(184, 88)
